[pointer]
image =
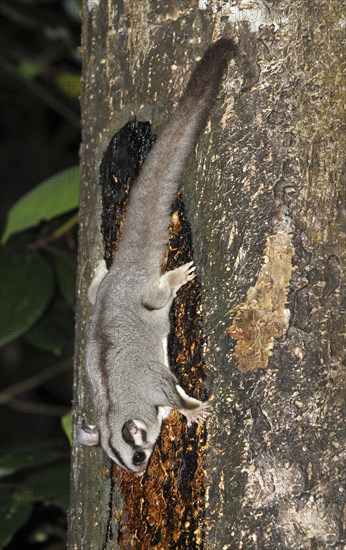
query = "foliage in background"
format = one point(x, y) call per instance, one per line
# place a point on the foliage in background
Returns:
point(39, 120)
point(50, 199)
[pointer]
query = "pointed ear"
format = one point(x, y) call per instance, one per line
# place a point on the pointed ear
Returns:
point(88, 435)
point(129, 430)
point(134, 432)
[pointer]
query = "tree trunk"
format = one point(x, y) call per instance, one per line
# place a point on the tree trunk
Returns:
point(265, 201)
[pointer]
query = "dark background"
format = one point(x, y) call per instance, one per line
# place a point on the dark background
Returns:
point(40, 69)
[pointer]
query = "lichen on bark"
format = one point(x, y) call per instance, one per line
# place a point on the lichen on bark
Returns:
point(264, 315)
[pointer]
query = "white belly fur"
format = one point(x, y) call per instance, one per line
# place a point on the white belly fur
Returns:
point(165, 353)
point(164, 412)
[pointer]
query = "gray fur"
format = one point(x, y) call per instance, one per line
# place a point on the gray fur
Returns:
point(125, 356)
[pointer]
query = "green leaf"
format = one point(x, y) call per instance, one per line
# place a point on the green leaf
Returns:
point(26, 288)
point(54, 331)
point(28, 456)
point(52, 198)
point(29, 69)
point(66, 422)
point(17, 499)
point(14, 512)
point(66, 269)
point(51, 482)
point(69, 84)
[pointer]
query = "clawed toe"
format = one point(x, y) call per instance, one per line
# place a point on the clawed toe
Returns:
point(188, 271)
point(198, 415)
point(182, 275)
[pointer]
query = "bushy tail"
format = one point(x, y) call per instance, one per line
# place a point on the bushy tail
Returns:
point(145, 234)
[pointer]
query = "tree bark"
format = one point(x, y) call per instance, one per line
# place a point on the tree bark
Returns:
point(265, 200)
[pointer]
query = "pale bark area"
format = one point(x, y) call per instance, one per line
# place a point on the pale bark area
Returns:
point(267, 216)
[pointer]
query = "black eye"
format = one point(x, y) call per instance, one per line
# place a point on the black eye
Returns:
point(139, 457)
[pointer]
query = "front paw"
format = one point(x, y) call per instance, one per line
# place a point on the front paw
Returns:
point(199, 415)
point(182, 275)
point(192, 409)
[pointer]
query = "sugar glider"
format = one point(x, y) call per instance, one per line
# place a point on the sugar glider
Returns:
point(126, 353)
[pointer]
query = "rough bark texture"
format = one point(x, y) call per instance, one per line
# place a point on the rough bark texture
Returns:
point(265, 198)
